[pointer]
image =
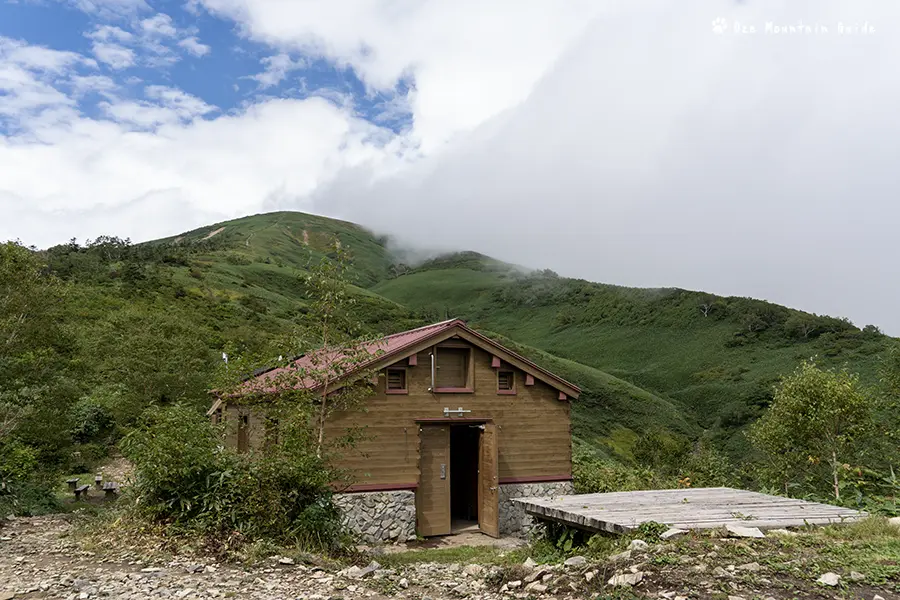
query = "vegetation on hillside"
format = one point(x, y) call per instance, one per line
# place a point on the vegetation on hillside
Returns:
point(717, 359)
point(96, 339)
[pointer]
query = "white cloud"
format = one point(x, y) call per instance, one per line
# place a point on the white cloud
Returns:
point(277, 68)
point(164, 106)
point(109, 33)
point(40, 58)
point(98, 84)
point(159, 25)
point(28, 75)
point(193, 45)
point(153, 42)
point(470, 59)
point(159, 165)
point(109, 9)
point(212, 169)
point(114, 55)
point(656, 153)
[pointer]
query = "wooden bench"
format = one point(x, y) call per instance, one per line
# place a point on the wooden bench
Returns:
point(111, 489)
point(82, 490)
point(73, 483)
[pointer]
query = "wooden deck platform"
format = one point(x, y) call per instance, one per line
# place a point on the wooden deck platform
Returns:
point(699, 508)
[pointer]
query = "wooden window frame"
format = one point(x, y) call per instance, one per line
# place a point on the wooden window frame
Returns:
point(470, 369)
point(511, 391)
point(405, 389)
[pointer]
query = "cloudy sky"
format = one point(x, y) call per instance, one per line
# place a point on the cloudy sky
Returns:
point(746, 148)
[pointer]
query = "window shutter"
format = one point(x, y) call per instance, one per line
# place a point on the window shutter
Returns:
point(505, 380)
point(396, 379)
point(452, 367)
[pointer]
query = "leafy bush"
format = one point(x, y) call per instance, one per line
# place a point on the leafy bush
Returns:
point(186, 479)
point(28, 498)
point(592, 475)
point(91, 419)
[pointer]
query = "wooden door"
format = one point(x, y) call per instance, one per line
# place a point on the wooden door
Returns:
point(488, 482)
point(433, 493)
point(243, 433)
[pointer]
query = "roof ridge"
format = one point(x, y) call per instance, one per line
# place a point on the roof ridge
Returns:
point(422, 328)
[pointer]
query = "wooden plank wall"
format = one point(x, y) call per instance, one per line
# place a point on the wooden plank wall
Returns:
point(533, 425)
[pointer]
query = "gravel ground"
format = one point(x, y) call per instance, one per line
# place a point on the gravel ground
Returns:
point(39, 559)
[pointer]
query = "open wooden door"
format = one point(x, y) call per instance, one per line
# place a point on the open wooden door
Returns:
point(433, 493)
point(489, 482)
point(243, 433)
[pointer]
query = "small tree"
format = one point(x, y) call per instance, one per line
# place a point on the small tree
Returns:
point(342, 350)
point(820, 422)
point(321, 363)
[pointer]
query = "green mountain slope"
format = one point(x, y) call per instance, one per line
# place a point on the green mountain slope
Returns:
point(152, 320)
point(715, 358)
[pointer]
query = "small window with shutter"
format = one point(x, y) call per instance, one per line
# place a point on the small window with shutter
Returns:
point(506, 382)
point(452, 369)
point(395, 381)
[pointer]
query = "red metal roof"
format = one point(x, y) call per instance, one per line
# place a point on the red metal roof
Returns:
point(380, 349)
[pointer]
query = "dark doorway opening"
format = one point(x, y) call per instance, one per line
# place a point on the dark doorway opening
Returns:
point(464, 479)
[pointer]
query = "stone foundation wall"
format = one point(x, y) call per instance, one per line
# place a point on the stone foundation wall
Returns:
point(513, 518)
point(379, 517)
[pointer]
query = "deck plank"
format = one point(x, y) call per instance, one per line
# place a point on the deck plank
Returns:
point(697, 508)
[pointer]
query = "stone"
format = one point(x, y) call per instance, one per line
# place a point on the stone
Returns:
point(667, 595)
point(351, 572)
point(529, 563)
point(638, 545)
point(473, 569)
point(857, 576)
point(620, 557)
point(877, 597)
point(7, 595)
point(752, 567)
point(535, 575)
point(829, 579)
point(513, 518)
point(590, 575)
point(783, 532)
point(626, 579)
point(379, 517)
point(575, 561)
point(673, 532)
point(895, 521)
point(514, 585)
point(151, 570)
point(746, 532)
point(540, 588)
point(736, 598)
point(403, 583)
point(285, 560)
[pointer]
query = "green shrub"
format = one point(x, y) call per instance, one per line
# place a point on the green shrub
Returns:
point(17, 461)
point(91, 419)
point(186, 479)
point(28, 498)
point(592, 475)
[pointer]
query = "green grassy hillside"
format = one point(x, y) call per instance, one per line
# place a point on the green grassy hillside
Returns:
point(713, 358)
point(667, 359)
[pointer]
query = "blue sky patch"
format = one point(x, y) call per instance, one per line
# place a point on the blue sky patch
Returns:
point(171, 45)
